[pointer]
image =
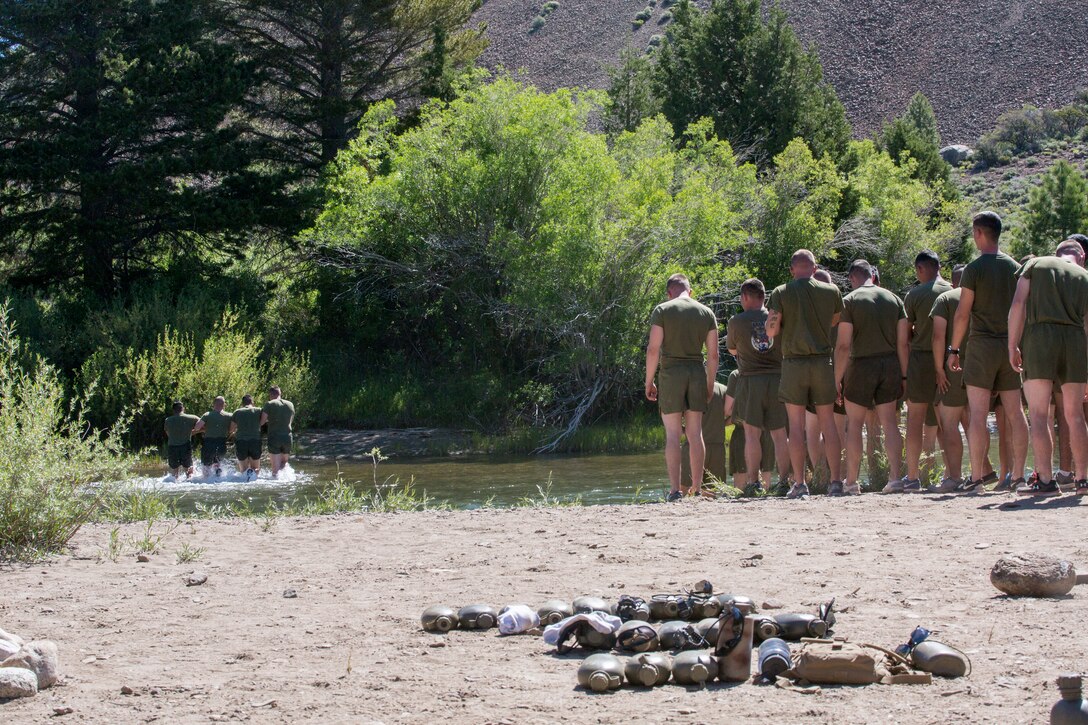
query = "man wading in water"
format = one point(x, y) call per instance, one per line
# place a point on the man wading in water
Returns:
point(679, 330)
point(216, 427)
point(246, 426)
point(278, 414)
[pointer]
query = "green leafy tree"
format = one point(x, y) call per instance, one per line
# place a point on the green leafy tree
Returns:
point(1058, 208)
point(120, 140)
point(751, 76)
point(914, 136)
point(630, 92)
point(327, 61)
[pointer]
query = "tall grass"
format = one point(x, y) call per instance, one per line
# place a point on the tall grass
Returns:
point(51, 456)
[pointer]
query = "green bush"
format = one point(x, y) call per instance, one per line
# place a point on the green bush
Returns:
point(538, 22)
point(178, 367)
point(549, 7)
point(51, 455)
point(644, 14)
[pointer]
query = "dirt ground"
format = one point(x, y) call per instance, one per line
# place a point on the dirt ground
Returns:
point(349, 647)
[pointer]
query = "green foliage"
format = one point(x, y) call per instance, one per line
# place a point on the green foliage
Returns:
point(644, 14)
point(914, 136)
point(631, 97)
point(751, 76)
point(56, 468)
point(1058, 208)
point(228, 363)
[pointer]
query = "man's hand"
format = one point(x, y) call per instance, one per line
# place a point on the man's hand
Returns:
point(651, 391)
point(1016, 359)
point(954, 362)
point(942, 381)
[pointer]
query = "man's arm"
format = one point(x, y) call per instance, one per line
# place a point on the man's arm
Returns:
point(842, 353)
point(940, 328)
point(264, 417)
point(729, 401)
point(903, 333)
point(1018, 315)
point(199, 426)
point(653, 357)
point(960, 324)
point(711, 362)
point(774, 323)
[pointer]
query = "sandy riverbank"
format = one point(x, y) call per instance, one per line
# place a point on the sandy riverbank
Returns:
point(236, 649)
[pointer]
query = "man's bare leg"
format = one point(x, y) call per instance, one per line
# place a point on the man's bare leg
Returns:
point(674, 428)
point(814, 444)
point(693, 421)
point(951, 442)
point(978, 436)
point(1072, 395)
point(916, 419)
point(1038, 393)
point(832, 441)
point(781, 453)
point(889, 421)
point(1018, 431)
point(796, 416)
point(753, 452)
point(855, 419)
point(1065, 449)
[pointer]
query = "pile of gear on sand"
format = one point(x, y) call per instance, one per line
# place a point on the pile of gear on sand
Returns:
point(697, 636)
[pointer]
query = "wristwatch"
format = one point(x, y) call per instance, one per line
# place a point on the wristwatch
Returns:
point(952, 350)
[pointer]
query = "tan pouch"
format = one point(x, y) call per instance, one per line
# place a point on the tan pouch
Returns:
point(835, 663)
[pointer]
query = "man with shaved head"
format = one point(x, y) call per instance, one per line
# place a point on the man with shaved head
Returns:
point(215, 424)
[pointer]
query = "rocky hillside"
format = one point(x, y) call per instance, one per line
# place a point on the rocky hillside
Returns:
point(973, 58)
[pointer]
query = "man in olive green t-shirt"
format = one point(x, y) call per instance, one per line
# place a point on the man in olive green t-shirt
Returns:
point(245, 423)
point(759, 362)
point(278, 414)
point(1048, 314)
point(215, 424)
point(988, 285)
point(802, 313)
point(680, 329)
point(872, 350)
point(179, 446)
point(713, 441)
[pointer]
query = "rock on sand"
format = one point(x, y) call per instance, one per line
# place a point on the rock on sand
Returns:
point(17, 682)
point(1033, 575)
point(38, 657)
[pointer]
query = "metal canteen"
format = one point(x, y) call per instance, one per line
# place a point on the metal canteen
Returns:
point(478, 616)
point(632, 608)
point(1072, 709)
point(649, 669)
point(708, 628)
point(554, 611)
point(636, 636)
point(676, 635)
point(590, 638)
point(766, 628)
point(694, 667)
point(601, 672)
point(793, 627)
point(664, 607)
point(939, 659)
point(439, 618)
point(585, 605)
point(704, 608)
point(774, 658)
point(744, 604)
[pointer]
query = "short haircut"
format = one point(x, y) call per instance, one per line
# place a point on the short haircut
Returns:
point(275, 390)
point(860, 268)
point(178, 406)
point(928, 256)
point(1082, 241)
point(247, 400)
point(822, 275)
point(753, 287)
point(990, 221)
point(803, 255)
point(1071, 248)
point(957, 273)
point(678, 280)
point(219, 399)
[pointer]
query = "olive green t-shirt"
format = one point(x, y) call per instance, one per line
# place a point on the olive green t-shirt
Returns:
point(714, 417)
point(280, 414)
point(945, 306)
point(216, 424)
point(875, 314)
point(992, 278)
point(179, 428)
point(686, 323)
point(919, 303)
point(807, 307)
point(757, 353)
point(248, 420)
point(1059, 291)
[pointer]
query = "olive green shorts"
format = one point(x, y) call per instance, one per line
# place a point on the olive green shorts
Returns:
point(1055, 352)
point(807, 381)
point(713, 463)
point(213, 450)
point(757, 401)
point(956, 396)
point(280, 443)
point(987, 365)
point(682, 386)
point(873, 380)
point(180, 456)
point(737, 464)
point(921, 377)
point(248, 448)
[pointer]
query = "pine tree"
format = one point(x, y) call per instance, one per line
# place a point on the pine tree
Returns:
point(915, 134)
point(1058, 208)
point(630, 92)
point(118, 138)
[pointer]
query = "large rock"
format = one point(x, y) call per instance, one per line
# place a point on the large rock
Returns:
point(17, 682)
point(13, 638)
point(1033, 575)
point(38, 657)
point(7, 649)
point(956, 154)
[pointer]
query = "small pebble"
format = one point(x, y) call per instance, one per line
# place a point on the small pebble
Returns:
point(62, 711)
point(290, 594)
point(143, 558)
point(126, 690)
point(196, 579)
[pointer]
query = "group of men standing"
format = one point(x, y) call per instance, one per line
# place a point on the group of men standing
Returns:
point(814, 367)
point(218, 425)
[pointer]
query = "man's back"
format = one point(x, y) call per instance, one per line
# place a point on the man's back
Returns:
point(686, 323)
point(945, 306)
point(918, 304)
point(179, 428)
point(1059, 292)
point(992, 279)
point(808, 308)
point(248, 420)
point(875, 314)
point(216, 423)
point(756, 352)
point(280, 414)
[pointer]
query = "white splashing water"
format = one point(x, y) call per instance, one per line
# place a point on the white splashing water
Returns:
point(229, 478)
